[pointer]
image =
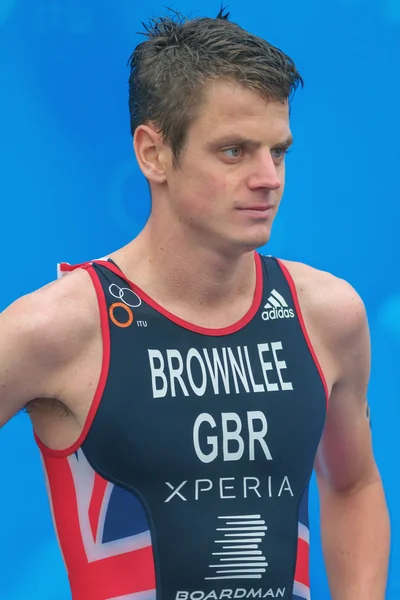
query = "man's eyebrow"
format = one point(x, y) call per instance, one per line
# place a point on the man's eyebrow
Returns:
point(286, 143)
point(233, 140)
point(238, 140)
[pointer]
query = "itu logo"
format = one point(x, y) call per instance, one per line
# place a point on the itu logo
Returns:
point(128, 300)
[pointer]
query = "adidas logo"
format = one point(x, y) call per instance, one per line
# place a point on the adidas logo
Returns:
point(277, 308)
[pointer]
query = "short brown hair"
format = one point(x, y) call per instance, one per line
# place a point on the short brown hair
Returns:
point(169, 70)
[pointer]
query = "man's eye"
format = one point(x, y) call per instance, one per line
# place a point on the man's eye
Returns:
point(279, 153)
point(233, 152)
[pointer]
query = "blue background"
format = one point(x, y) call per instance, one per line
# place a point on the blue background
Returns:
point(70, 190)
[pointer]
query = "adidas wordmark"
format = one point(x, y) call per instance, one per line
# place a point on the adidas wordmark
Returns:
point(277, 308)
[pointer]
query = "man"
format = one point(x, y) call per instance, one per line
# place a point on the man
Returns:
point(183, 388)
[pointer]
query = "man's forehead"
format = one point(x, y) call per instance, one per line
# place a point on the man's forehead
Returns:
point(231, 98)
point(239, 110)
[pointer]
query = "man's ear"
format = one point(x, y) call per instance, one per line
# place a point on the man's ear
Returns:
point(151, 153)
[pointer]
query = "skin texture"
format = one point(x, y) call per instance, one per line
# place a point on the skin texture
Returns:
point(233, 161)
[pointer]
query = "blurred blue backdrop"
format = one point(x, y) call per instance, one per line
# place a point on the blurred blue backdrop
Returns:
point(70, 190)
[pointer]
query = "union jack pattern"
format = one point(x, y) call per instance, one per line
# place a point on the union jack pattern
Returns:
point(102, 530)
point(301, 588)
point(105, 538)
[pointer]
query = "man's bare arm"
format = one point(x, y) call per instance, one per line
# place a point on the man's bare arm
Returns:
point(40, 334)
point(354, 516)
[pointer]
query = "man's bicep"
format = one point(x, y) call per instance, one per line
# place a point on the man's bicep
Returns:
point(345, 457)
point(13, 385)
point(27, 355)
point(42, 335)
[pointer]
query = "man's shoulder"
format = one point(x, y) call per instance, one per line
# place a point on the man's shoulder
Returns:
point(331, 302)
point(58, 317)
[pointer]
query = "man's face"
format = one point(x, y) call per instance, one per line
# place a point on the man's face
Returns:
point(230, 177)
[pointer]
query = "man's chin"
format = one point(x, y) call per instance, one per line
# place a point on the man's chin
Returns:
point(244, 243)
point(256, 242)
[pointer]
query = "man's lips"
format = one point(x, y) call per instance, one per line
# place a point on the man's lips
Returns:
point(257, 207)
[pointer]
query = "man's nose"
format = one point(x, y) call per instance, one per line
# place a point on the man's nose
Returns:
point(265, 174)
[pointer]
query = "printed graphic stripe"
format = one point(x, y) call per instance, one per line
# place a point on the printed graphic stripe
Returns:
point(301, 592)
point(48, 490)
point(304, 533)
point(240, 517)
point(96, 501)
point(238, 552)
point(302, 569)
point(65, 510)
point(233, 577)
point(274, 302)
point(258, 522)
point(243, 571)
point(148, 595)
point(255, 528)
point(279, 297)
point(116, 576)
point(241, 541)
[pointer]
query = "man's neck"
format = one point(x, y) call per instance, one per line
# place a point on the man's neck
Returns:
point(179, 271)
